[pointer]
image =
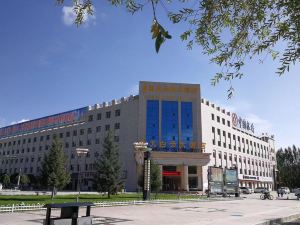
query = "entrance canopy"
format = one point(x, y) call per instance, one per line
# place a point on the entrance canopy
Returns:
point(180, 158)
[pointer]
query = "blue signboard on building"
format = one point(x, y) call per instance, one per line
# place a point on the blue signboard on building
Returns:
point(44, 123)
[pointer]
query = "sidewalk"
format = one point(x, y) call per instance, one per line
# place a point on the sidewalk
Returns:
point(248, 211)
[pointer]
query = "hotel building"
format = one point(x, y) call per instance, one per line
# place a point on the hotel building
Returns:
point(186, 133)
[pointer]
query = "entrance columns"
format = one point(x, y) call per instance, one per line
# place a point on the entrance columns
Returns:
point(185, 177)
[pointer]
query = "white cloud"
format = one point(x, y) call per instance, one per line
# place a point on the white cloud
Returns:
point(69, 17)
point(20, 121)
point(243, 109)
point(134, 90)
point(261, 125)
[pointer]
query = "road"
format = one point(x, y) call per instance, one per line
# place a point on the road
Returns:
point(250, 210)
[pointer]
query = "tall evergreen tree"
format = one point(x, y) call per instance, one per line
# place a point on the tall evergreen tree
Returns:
point(288, 165)
point(6, 180)
point(155, 178)
point(108, 167)
point(54, 171)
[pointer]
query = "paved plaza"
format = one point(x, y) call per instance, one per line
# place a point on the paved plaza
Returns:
point(251, 210)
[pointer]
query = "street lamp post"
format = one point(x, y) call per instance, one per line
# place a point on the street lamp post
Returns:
point(80, 152)
point(142, 156)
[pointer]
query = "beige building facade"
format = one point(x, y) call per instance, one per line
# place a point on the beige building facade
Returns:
point(186, 133)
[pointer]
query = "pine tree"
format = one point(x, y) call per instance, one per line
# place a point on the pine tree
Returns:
point(6, 180)
point(24, 180)
point(54, 172)
point(155, 178)
point(108, 167)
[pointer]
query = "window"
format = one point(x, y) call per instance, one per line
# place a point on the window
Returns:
point(170, 123)
point(81, 131)
point(89, 131)
point(192, 169)
point(67, 145)
point(88, 142)
point(218, 119)
point(117, 112)
point(213, 129)
point(34, 140)
point(97, 141)
point(108, 114)
point(74, 132)
point(228, 123)
point(48, 137)
point(213, 116)
point(223, 121)
point(99, 116)
point(98, 129)
point(117, 126)
point(116, 138)
point(68, 134)
point(90, 118)
point(107, 127)
point(152, 121)
point(61, 135)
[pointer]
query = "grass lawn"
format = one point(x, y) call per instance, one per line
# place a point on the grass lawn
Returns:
point(44, 199)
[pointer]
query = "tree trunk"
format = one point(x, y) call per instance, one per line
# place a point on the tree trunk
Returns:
point(53, 192)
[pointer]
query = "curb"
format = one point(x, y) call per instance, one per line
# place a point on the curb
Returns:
point(279, 221)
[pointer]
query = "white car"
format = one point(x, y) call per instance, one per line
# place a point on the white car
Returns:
point(297, 193)
point(285, 190)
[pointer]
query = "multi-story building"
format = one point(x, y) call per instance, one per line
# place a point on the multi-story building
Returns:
point(186, 133)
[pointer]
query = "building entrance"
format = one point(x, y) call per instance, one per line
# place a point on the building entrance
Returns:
point(171, 183)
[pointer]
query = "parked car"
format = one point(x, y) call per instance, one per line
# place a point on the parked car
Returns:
point(297, 193)
point(285, 190)
point(245, 190)
point(260, 190)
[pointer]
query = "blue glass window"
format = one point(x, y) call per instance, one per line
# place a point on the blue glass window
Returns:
point(152, 124)
point(186, 123)
point(169, 132)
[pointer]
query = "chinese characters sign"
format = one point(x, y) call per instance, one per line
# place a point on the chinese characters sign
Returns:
point(148, 88)
point(43, 123)
point(243, 124)
point(173, 146)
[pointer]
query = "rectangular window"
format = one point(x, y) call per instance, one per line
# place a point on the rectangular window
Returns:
point(117, 126)
point(192, 169)
point(213, 116)
point(108, 114)
point(116, 138)
point(169, 130)
point(117, 112)
point(186, 123)
point(99, 116)
point(74, 132)
point(152, 122)
point(107, 127)
point(89, 130)
point(81, 131)
point(90, 118)
point(98, 129)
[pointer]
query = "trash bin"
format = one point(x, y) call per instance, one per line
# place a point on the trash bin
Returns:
point(69, 214)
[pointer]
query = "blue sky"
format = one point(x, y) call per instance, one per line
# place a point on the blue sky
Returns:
point(48, 65)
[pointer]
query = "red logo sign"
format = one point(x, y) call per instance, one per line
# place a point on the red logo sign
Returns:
point(235, 120)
